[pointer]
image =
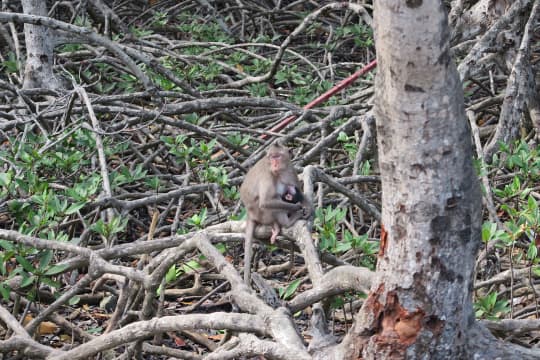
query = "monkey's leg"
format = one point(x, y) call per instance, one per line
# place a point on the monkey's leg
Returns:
point(248, 250)
point(287, 219)
point(275, 232)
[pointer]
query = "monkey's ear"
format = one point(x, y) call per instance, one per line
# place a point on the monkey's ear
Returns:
point(280, 142)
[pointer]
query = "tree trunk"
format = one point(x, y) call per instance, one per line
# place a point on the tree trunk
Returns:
point(38, 72)
point(420, 305)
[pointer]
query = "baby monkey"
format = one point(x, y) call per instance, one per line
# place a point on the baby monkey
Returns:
point(292, 195)
point(272, 196)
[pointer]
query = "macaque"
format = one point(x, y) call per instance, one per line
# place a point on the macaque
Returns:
point(289, 188)
point(292, 194)
point(271, 194)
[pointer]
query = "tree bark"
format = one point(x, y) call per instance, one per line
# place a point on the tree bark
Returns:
point(420, 305)
point(38, 72)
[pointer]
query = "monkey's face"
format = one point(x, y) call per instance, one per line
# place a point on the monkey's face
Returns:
point(276, 163)
point(292, 195)
point(279, 159)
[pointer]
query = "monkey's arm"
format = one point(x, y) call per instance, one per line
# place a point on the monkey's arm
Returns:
point(278, 204)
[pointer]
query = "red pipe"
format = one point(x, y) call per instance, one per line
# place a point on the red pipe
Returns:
point(340, 86)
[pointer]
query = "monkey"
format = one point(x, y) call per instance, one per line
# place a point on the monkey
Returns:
point(289, 188)
point(292, 195)
point(271, 194)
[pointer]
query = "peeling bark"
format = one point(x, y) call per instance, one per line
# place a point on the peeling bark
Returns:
point(420, 303)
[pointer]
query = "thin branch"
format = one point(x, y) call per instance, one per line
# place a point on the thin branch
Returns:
point(84, 33)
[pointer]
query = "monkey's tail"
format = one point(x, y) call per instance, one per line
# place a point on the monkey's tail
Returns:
point(248, 250)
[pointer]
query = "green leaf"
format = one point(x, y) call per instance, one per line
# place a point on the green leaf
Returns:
point(291, 289)
point(190, 266)
point(3, 270)
point(7, 245)
point(27, 281)
point(488, 230)
point(532, 251)
point(516, 184)
point(50, 282)
point(337, 302)
point(485, 234)
point(491, 299)
point(532, 205)
point(171, 274)
point(44, 259)
point(95, 330)
point(25, 264)
point(342, 246)
point(342, 137)
point(366, 168)
point(499, 192)
point(73, 208)
point(4, 290)
point(74, 300)
point(5, 179)
point(56, 269)
point(153, 182)
point(221, 247)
